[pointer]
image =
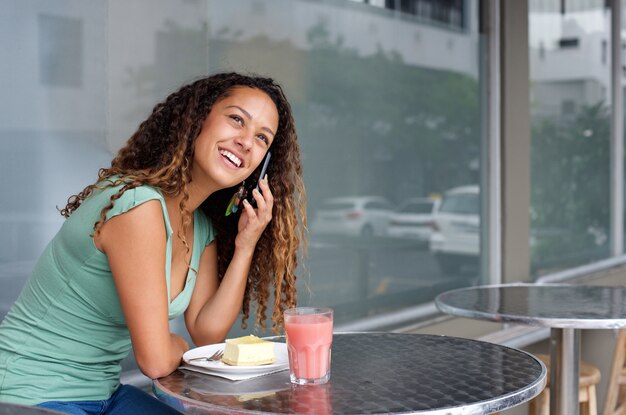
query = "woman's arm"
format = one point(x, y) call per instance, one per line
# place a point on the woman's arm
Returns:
point(135, 244)
point(214, 306)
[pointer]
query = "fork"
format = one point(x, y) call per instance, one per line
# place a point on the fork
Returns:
point(216, 356)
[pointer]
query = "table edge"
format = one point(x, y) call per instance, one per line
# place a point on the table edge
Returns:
point(558, 323)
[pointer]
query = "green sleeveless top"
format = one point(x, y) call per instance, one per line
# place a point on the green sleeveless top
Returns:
point(66, 334)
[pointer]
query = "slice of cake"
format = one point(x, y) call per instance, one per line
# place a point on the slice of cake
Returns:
point(248, 351)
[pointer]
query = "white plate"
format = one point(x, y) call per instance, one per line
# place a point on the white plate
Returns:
point(280, 351)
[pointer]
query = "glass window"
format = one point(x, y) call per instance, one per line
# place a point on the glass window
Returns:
point(417, 207)
point(570, 150)
point(52, 124)
point(335, 205)
point(386, 97)
point(60, 50)
point(448, 12)
point(383, 118)
point(460, 203)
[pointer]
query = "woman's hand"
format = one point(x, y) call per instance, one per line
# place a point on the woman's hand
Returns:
point(253, 221)
point(215, 304)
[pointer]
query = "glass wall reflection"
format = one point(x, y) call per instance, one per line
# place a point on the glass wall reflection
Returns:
point(385, 120)
point(387, 104)
point(52, 123)
point(570, 151)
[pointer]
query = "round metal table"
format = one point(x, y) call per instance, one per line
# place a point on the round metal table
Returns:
point(564, 308)
point(376, 373)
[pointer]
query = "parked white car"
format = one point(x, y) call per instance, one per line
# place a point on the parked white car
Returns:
point(455, 238)
point(355, 216)
point(413, 219)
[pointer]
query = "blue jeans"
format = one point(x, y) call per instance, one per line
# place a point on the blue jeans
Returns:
point(126, 400)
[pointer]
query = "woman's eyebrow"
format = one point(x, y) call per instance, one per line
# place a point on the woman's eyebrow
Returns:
point(249, 116)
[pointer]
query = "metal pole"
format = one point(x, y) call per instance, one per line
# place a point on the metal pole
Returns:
point(617, 132)
point(491, 242)
point(564, 371)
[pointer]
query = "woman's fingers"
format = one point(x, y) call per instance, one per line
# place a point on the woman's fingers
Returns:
point(264, 201)
point(254, 221)
point(267, 193)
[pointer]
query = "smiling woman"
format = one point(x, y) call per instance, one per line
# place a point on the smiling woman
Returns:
point(150, 241)
point(235, 137)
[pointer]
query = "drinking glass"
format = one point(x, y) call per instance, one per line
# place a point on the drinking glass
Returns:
point(309, 333)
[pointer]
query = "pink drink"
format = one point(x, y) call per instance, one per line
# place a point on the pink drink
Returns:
point(309, 337)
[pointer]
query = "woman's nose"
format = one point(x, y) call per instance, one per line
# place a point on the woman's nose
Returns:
point(244, 140)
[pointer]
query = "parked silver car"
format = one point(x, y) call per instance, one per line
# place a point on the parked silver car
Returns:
point(354, 216)
point(455, 239)
point(413, 219)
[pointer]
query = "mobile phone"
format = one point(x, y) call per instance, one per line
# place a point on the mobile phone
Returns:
point(249, 196)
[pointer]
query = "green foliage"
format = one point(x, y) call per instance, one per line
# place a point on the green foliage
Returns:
point(400, 128)
point(570, 191)
point(368, 124)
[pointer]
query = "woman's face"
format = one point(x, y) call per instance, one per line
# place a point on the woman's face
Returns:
point(234, 138)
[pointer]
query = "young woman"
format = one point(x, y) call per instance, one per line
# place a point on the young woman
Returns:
point(157, 235)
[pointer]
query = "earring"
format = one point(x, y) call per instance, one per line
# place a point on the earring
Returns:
point(233, 205)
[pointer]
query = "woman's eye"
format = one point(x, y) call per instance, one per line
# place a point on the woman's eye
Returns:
point(263, 138)
point(237, 119)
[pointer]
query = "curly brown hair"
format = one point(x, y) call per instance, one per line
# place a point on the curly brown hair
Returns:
point(160, 154)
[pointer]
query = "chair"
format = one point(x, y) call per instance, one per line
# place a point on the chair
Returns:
point(615, 402)
point(589, 378)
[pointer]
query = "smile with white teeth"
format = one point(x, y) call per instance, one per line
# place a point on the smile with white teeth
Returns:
point(230, 156)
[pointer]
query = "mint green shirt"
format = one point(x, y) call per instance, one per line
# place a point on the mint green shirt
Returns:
point(66, 334)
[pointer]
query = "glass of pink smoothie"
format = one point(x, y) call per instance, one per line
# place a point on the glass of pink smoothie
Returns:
point(309, 333)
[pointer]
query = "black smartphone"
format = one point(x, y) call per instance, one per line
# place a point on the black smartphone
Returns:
point(249, 196)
